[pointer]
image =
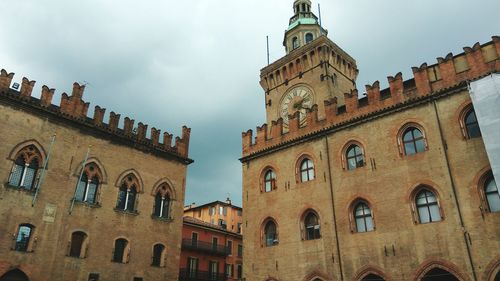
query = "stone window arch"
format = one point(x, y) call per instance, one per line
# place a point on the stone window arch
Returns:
point(89, 184)
point(78, 245)
point(310, 225)
point(163, 199)
point(361, 216)
point(412, 139)
point(121, 251)
point(268, 179)
point(353, 155)
point(24, 238)
point(129, 188)
point(426, 205)
point(488, 193)
point(468, 123)
point(159, 255)
point(305, 169)
point(269, 232)
point(27, 161)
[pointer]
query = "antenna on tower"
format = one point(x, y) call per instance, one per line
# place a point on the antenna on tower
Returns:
point(267, 41)
point(319, 14)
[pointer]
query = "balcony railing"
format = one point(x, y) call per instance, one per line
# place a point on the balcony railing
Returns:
point(197, 275)
point(195, 245)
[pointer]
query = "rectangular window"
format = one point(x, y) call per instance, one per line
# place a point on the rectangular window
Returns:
point(194, 238)
point(230, 247)
point(240, 250)
point(221, 210)
point(213, 270)
point(215, 241)
point(239, 213)
point(199, 213)
point(192, 267)
point(224, 211)
point(240, 271)
point(211, 210)
point(229, 270)
point(93, 277)
point(222, 223)
point(239, 227)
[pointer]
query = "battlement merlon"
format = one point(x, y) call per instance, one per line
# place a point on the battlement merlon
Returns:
point(450, 72)
point(74, 108)
point(320, 50)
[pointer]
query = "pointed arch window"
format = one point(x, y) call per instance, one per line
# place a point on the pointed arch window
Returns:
point(306, 170)
point(269, 180)
point(87, 188)
point(270, 233)
point(78, 244)
point(312, 227)
point(427, 206)
point(121, 251)
point(363, 218)
point(25, 168)
point(127, 194)
point(162, 204)
point(158, 254)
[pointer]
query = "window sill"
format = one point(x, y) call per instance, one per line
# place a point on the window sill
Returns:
point(89, 205)
point(75, 258)
point(22, 252)
point(132, 213)
point(162, 219)
point(18, 188)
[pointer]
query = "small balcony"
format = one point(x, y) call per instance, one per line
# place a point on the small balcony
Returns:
point(209, 248)
point(197, 275)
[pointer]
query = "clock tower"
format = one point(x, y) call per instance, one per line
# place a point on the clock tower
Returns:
point(313, 70)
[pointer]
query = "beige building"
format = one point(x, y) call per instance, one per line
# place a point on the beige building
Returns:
point(393, 186)
point(82, 199)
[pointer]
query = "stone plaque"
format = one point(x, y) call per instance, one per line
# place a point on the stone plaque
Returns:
point(49, 214)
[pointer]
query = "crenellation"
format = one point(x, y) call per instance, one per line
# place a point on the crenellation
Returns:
point(128, 126)
point(141, 131)
point(73, 107)
point(427, 79)
point(155, 136)
point(261, 137)
point(26, 88)
point(47, 95)
point(5, 79)
point(113, 121)
point(396, 87)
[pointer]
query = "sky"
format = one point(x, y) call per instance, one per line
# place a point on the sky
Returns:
point(196, 62)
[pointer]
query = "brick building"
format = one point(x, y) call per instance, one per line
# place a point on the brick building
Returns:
point(396, 185)
point(212, 247)
point(82, 199)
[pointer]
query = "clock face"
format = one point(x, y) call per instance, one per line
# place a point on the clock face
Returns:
point(299, 99)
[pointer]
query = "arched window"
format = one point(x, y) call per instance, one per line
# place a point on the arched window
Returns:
point(162, 205)
point(471, 124)
point(23, 237)
point(87, 188)
point(372, 277)
point(309, 37)
point(269, 180)
point(77, 244)
point(427, 206)
point(295, 43)
point(311, 224)
point(121, 251)
point(127, 194)
point(25, 168)
point(413, 141)
point(158, 254)
point(363, 218)
point(306, 170)
point(492, 195)
point(270, 234)
point(354, 157)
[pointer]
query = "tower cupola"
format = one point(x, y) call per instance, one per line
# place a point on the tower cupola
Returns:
point(303, 26)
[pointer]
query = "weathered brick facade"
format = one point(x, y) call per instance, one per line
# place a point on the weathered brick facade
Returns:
point(118, 156)
point(453, 166)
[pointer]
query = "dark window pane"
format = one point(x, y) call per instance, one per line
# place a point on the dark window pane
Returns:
point(492, 195)
point(29, 178)
point(17, 173)
point(77, 239)
point(23, 238)
point(120, 245)
point(131, 200)
point(157, 253)
point(122, 195)
point(91, 192)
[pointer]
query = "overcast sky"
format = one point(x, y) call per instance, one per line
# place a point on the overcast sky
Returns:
point(196, 62)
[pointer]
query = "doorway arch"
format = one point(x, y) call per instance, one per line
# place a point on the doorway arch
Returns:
point(14, 275)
